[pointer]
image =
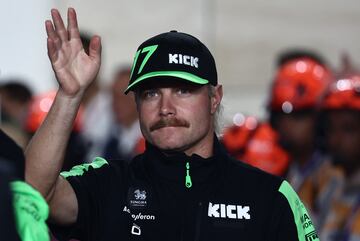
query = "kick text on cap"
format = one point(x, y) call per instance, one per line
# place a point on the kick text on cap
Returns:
point(183, 59)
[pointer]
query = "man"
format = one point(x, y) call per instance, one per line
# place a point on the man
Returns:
point(297, 89)
point(29, 211)
point(7, 223)
point(125, 136)
point(96, 104)
point(341, 108)
point(184, 186)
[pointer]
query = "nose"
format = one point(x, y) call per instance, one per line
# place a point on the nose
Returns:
point(167, 107)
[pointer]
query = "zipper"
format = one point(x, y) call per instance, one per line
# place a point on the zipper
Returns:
point(198, 222)
point(188, 182)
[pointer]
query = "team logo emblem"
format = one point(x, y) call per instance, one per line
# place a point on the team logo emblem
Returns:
point(137, 198)
point(140, 195)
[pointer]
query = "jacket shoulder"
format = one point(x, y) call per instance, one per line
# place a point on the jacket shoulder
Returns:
point(241, 172)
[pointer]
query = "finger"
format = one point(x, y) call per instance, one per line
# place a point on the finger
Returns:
point(59, 25)
point(52, 34)
point(52, 50)
point(72, 27)
point(95, 49)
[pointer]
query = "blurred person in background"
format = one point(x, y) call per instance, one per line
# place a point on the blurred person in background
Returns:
point(125, 139)
point(39, 107)
point(341, 109)
point(8, 229)
point(257, 144)
point(298, 85)
point(15, 98)
point(97, 116)
point(23, 210)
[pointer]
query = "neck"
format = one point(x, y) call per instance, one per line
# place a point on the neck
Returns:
point(203, 148)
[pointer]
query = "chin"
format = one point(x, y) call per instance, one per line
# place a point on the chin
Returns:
point(169, 146)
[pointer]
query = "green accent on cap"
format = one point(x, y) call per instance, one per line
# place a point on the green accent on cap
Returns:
point(304, 225)
point(31, 212)
point(135, 61)
point(150, 50)
point(178, 74)
point(79, 170)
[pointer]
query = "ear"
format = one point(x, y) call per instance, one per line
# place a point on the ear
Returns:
point(216, 98)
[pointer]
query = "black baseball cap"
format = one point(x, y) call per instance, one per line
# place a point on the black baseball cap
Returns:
point(176, 55)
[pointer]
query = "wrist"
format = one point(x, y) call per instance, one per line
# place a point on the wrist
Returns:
point(77, 97)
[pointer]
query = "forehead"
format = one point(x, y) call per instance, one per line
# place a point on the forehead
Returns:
point(167, 82)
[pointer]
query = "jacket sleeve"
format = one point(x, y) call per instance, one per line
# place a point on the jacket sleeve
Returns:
point(290, 219)
point(88, 181)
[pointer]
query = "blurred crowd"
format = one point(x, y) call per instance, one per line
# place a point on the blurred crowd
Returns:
point(311, 135)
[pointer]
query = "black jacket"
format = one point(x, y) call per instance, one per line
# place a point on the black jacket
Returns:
point(148, 200)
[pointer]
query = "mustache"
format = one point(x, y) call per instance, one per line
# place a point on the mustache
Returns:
point(174, 122)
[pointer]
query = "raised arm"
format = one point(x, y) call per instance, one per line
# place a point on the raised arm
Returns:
point(74, 71)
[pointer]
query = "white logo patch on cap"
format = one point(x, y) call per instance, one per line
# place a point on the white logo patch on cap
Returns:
point(184, 59)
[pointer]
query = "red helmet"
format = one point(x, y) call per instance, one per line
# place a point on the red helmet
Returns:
point(258, 146)
point(299, 84)
point(236, 136)
point(343, 94)
point(263, 151)
point(39, 107)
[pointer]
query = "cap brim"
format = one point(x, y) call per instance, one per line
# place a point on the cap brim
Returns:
point(177, 74)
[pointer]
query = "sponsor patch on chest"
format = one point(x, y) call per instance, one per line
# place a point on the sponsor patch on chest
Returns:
point(228, 211)
point(137, 198)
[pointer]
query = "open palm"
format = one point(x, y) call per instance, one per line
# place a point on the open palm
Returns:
point(74, 69)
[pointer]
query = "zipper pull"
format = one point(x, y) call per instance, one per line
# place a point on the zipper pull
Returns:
point(188, 182)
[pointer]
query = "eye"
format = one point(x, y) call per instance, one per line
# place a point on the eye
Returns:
point(183, 91)
point(148, 94)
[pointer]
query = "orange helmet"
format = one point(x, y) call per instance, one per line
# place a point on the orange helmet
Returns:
point(264, 152)
point(39, 107)
point(343, 94)
point(299, 84)
point(256, 145)
point(236, 136)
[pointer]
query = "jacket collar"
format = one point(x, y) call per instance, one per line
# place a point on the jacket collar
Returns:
point(173, 167)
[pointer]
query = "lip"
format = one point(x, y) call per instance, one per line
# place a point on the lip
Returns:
point(168, 127)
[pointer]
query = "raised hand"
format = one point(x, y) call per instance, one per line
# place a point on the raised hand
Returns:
point(74, 69)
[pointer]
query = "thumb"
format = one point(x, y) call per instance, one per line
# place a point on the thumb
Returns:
point(95, 48)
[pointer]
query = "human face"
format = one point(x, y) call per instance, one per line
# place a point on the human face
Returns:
point(123, 105)
point(296, 131)
point(343, 136)
point(178, 116)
